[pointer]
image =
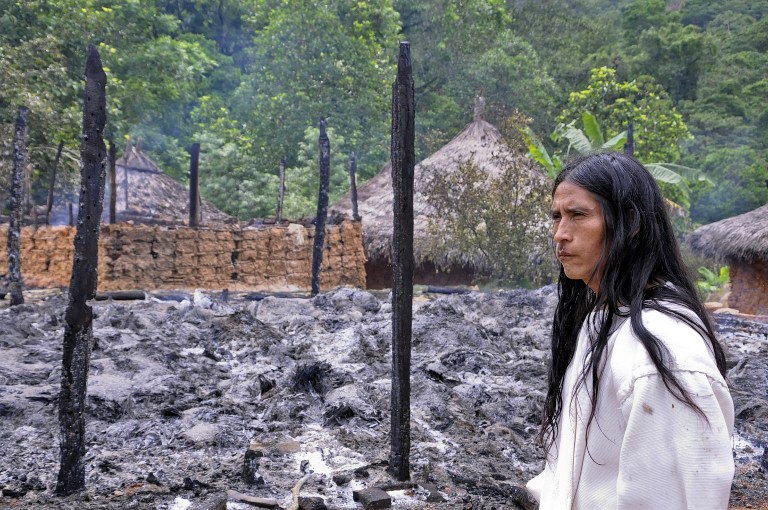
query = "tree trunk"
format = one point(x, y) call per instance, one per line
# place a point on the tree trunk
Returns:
point(78, 329)
point(112, 184)
point(14, 221)
point(193, 184)
point(49, 203)
point(322, 207)
point(281, 193)
point(353, 186)
point(403, 162)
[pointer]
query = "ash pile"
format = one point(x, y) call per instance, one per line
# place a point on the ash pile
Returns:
point(231, 403)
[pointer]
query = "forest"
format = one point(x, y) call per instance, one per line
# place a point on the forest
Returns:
point(249, 80)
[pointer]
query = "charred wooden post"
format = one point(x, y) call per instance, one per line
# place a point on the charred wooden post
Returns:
point(322, 207)
point(353, 186)
point(28, 205)
point(14, 221)
point(52, 184)
point(78, 329)
point(71, 215)
point(193, 184)
point(629, 146)
point(112, 184)
point(281, 192)
point(403, 162)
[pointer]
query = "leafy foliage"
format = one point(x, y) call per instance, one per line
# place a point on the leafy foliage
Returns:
point(248, 78)
point(659, 128)
point(710, 282)
point(302, 181)
point(502, 220)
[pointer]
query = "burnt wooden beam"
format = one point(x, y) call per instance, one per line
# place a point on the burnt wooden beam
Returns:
point(78, 328)
point(112, 184)
point(322, 207)
point(629, 146)
point(403, 162)
point(15, 218)
point(281, 192)
point(353, 186)
point(194, 192)
point(52, 183)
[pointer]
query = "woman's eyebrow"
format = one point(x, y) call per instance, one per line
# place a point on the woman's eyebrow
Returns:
point(573, 209)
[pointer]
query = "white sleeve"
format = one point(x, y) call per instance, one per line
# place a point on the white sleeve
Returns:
point(535, 485)
point(671, 456)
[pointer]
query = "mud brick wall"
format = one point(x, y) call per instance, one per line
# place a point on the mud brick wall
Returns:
point(274, 258)
point(749, 287)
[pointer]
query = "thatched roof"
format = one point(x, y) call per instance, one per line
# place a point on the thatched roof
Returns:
point(479, 142)
point(743, 238)
point(153, 196)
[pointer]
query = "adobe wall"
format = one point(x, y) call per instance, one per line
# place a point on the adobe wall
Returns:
point(749, 287)
point(270, 258)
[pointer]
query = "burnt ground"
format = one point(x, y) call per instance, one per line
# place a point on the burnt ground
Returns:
point(191, 398)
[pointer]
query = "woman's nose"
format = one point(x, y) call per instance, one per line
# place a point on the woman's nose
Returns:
point(561, 232)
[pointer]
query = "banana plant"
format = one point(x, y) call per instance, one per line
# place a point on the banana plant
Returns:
point(591, 139)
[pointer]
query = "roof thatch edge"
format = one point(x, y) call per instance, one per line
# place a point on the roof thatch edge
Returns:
point(741, 238)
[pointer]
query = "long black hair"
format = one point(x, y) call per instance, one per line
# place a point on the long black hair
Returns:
point(642, 268)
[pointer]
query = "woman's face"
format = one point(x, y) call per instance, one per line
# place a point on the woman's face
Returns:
point(579, 233)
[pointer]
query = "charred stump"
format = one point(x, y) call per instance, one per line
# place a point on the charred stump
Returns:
point(322, 207)
point(194, 192)
point(403, 162)
point(78, 329)
point(281, 193)
point(52, 183)
point(112, 184)
point(14, 221)
point(629, 146)
point(353, 186)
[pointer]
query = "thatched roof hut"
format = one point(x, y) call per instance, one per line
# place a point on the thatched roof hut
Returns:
point(741, 241)
point(480, 143)
point(145, 194)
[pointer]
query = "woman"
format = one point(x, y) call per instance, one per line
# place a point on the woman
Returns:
point(638, 413)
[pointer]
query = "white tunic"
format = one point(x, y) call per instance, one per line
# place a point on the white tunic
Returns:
point(644, 448)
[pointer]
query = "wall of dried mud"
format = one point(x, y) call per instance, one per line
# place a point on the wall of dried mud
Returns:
point(270, 258)
point(749, 287)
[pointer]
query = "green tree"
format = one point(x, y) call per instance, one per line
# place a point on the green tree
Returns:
point(314, 60)
point(659, 128)
point(465, 49)
point(501, 223)
point(227, 176)
point(155, 74)
point(741, 186)
point(571, 38)
point(302, 181)
point(672, 178)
